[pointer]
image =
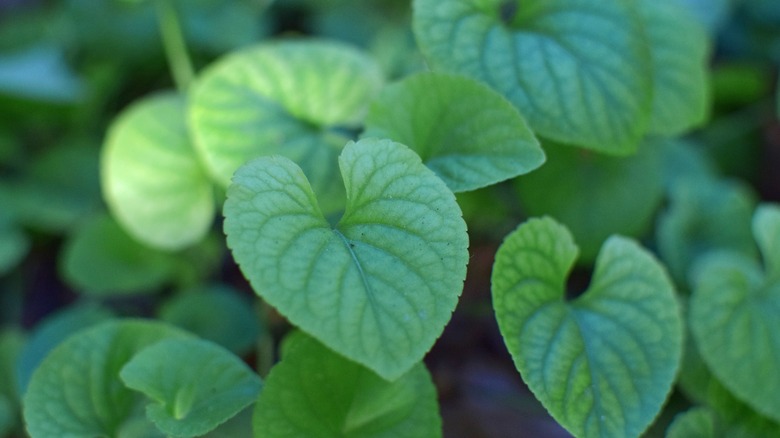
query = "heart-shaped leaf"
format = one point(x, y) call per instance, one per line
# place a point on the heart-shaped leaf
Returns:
point(196, 385)
point(339, 398)
point(152, 180)
point(578, 70)
point(735, 307)
point(76, 390)
point(289, 98)
point(679, 47)
point(464, 131)
point(380, 286)
point(603, 363)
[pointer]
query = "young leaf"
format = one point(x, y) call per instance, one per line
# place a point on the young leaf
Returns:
point(216, 313)
point(152, 180)
point(380, 286)
point(340, 399)
point(695, 423)
point(734, 311)
point(76, 390)
point(603, 363)
point(679, 47)
point(100, 258)
point(287, 98)
point(464, 131)
point(196, 385)
point(581, 189)
point(578, 70)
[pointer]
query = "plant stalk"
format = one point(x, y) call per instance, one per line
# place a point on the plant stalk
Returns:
point(174, 45)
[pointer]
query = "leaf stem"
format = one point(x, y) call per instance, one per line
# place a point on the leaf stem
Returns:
point(174, 44)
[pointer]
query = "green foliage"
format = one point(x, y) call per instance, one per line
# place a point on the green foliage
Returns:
point(49, 333)
point(695, 423)
point(100, 258)
point(342, 399)
point(599, 122)
point(679, 51)
point(581, 189)
point(603, 363)
point(216, 313)
point(380, 285)
point(733, 316)
point(465, 132)
point(595, 51)
point(76, 391)
point(290, 98)
point(152, 179)
point(195, 385)
point(704, 215)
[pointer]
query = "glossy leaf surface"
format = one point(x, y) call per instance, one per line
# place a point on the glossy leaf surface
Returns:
point(342, 399)
point(380, 286)
point(464, 131)
point(603, 363)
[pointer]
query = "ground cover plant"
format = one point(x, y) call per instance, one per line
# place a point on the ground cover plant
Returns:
point(384, 218)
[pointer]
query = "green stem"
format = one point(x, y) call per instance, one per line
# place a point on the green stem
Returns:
point(175, 47)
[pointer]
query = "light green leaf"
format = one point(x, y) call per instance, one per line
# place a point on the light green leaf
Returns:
point(50, 332)
point(380, 286)
point(704, 214)
point(289, 98)
point(734, 312)
point(76, 391)
point(464, 131)
point(603, 363)
point(152, 180)
point(100, 258)
point(195, 385)
point(338, 398)
point(694, 423)
point(680, 54)
point(582, 189)
point(578, 70)
point(216, 313)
